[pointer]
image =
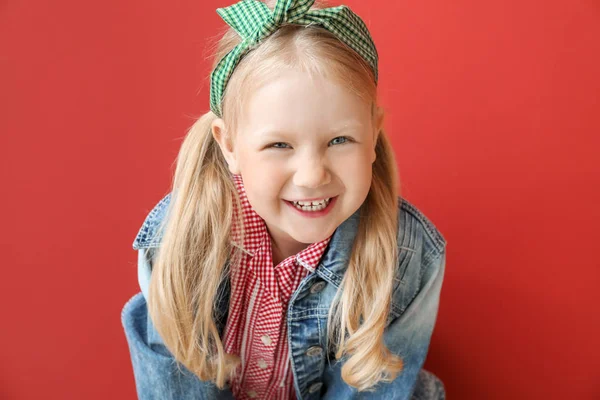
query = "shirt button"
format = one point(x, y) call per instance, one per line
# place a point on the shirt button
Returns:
point(314, 351)
point(251, 394)
point(317, 287)
point(314, 387)
point(265, 339)
point(262, 364)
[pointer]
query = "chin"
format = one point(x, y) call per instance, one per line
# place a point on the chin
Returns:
point(311, 238)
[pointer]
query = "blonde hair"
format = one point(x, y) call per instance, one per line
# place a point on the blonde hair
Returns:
point(197, 252)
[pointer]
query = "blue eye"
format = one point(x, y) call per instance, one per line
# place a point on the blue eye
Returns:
point(346, 138)
point(342, 137)
point(273, 145)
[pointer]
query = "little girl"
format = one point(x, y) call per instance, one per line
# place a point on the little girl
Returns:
point(284, 264)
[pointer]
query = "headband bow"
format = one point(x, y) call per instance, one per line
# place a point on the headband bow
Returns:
point(254, 21)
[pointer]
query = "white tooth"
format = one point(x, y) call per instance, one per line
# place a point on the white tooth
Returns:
point(311, 203)
point(311, 208)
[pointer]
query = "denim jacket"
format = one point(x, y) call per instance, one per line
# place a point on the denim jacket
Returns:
point(410, 322)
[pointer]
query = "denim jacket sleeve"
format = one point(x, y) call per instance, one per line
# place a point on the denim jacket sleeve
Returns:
point(408, 336)
point(158, 376)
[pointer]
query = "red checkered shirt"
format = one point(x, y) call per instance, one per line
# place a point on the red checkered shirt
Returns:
point(256, 328)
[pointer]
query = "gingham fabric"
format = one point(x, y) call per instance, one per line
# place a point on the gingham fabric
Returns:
point(256, 328)
point(253, 20)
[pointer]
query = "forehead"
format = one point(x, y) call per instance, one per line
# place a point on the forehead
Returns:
point(296, 100)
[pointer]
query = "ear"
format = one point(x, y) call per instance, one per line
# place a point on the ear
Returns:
point(377, 126)
point(223, 138)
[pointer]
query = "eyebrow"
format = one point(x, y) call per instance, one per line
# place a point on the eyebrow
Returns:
point(347, 125)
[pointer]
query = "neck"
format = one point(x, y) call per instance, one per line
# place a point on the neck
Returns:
point(280, 251)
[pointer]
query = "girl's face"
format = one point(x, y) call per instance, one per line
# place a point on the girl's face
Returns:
point(300, 139)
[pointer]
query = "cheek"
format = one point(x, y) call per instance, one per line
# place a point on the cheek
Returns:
point(262, 187)
point(356, 168)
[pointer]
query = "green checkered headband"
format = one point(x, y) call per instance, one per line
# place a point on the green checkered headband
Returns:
point(253, 20)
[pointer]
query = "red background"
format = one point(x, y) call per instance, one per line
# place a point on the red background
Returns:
point(494, 113)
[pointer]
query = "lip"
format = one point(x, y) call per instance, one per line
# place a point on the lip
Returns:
point(314, 214)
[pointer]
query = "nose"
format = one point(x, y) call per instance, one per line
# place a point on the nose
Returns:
point(311, 173)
